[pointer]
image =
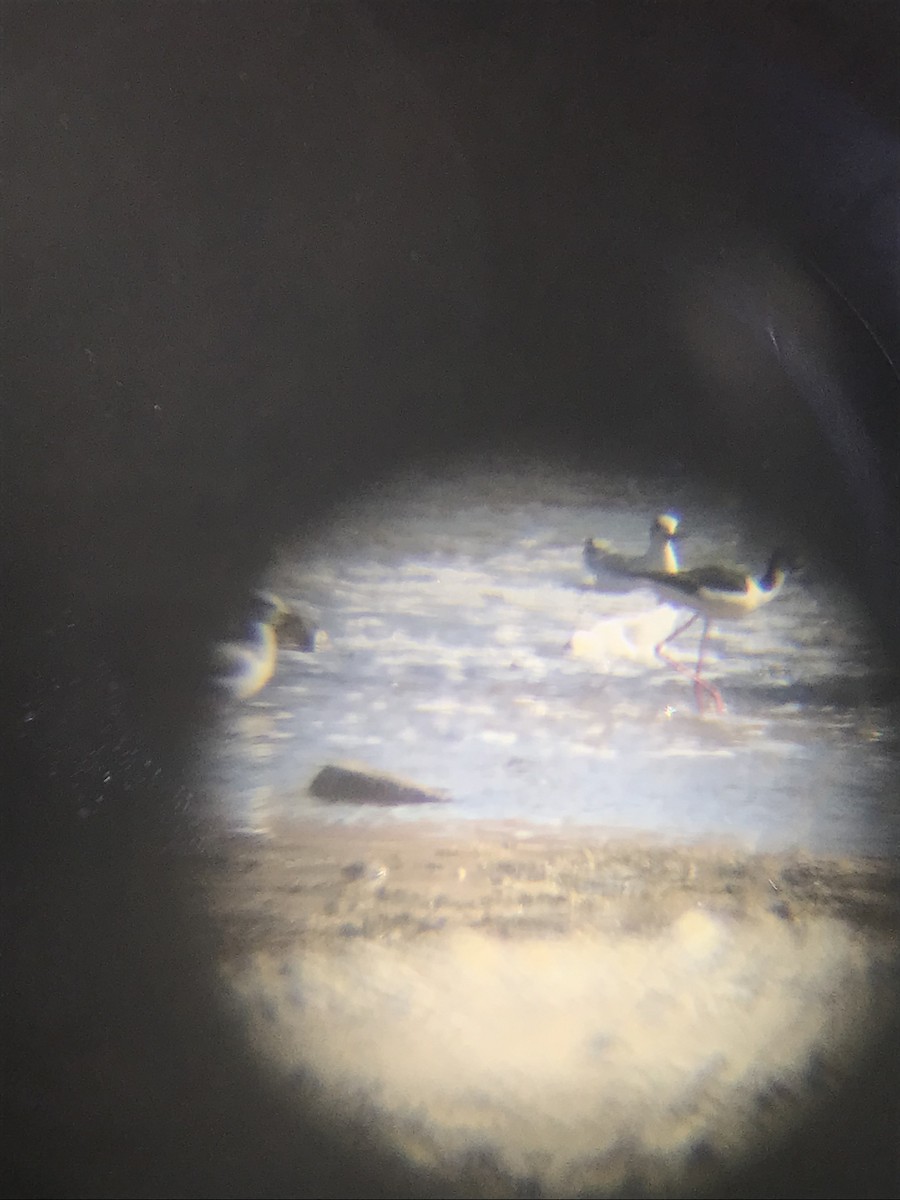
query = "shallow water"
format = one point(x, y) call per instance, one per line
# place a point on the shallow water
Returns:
point(469, 651)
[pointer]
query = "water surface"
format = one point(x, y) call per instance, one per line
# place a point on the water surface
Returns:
point(469, 651)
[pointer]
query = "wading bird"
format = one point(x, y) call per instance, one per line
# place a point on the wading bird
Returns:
point(622, 572)
point(245, 664)
point(714, 593)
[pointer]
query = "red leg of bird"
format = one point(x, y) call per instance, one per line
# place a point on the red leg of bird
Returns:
point(659, 650)
point(700, 685)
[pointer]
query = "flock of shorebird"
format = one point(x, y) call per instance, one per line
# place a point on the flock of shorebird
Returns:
point(710, 593)
point(245, 664)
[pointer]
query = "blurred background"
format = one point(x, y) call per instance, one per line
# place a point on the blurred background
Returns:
point(257, 257)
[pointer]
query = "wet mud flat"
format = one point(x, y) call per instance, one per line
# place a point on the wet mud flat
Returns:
point(526, 1012)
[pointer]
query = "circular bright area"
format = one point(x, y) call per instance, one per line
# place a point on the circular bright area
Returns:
point(494, 886)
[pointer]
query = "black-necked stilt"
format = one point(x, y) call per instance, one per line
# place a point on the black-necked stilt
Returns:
point(609, 567)
point(245, 664)
point(715, 594)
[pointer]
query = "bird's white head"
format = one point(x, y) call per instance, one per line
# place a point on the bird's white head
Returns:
point(665, 526)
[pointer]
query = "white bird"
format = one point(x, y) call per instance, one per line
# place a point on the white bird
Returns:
point(627, 638)
point(715, 593)
point(623, 572)
point(245, 664)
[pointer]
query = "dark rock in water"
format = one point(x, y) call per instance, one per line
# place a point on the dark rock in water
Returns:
point(358, 784)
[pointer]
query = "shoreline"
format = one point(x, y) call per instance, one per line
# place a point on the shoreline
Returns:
point(555, 1013)
point(474, 872)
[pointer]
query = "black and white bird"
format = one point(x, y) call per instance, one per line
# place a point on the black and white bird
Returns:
point(714, 593)
point(622, 572)
point(245, 664)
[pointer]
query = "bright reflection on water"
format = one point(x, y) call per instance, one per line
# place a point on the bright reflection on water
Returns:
point(636, 945)
point(469, 652)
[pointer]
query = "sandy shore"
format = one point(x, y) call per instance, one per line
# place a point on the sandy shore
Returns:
point(525, 1012)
